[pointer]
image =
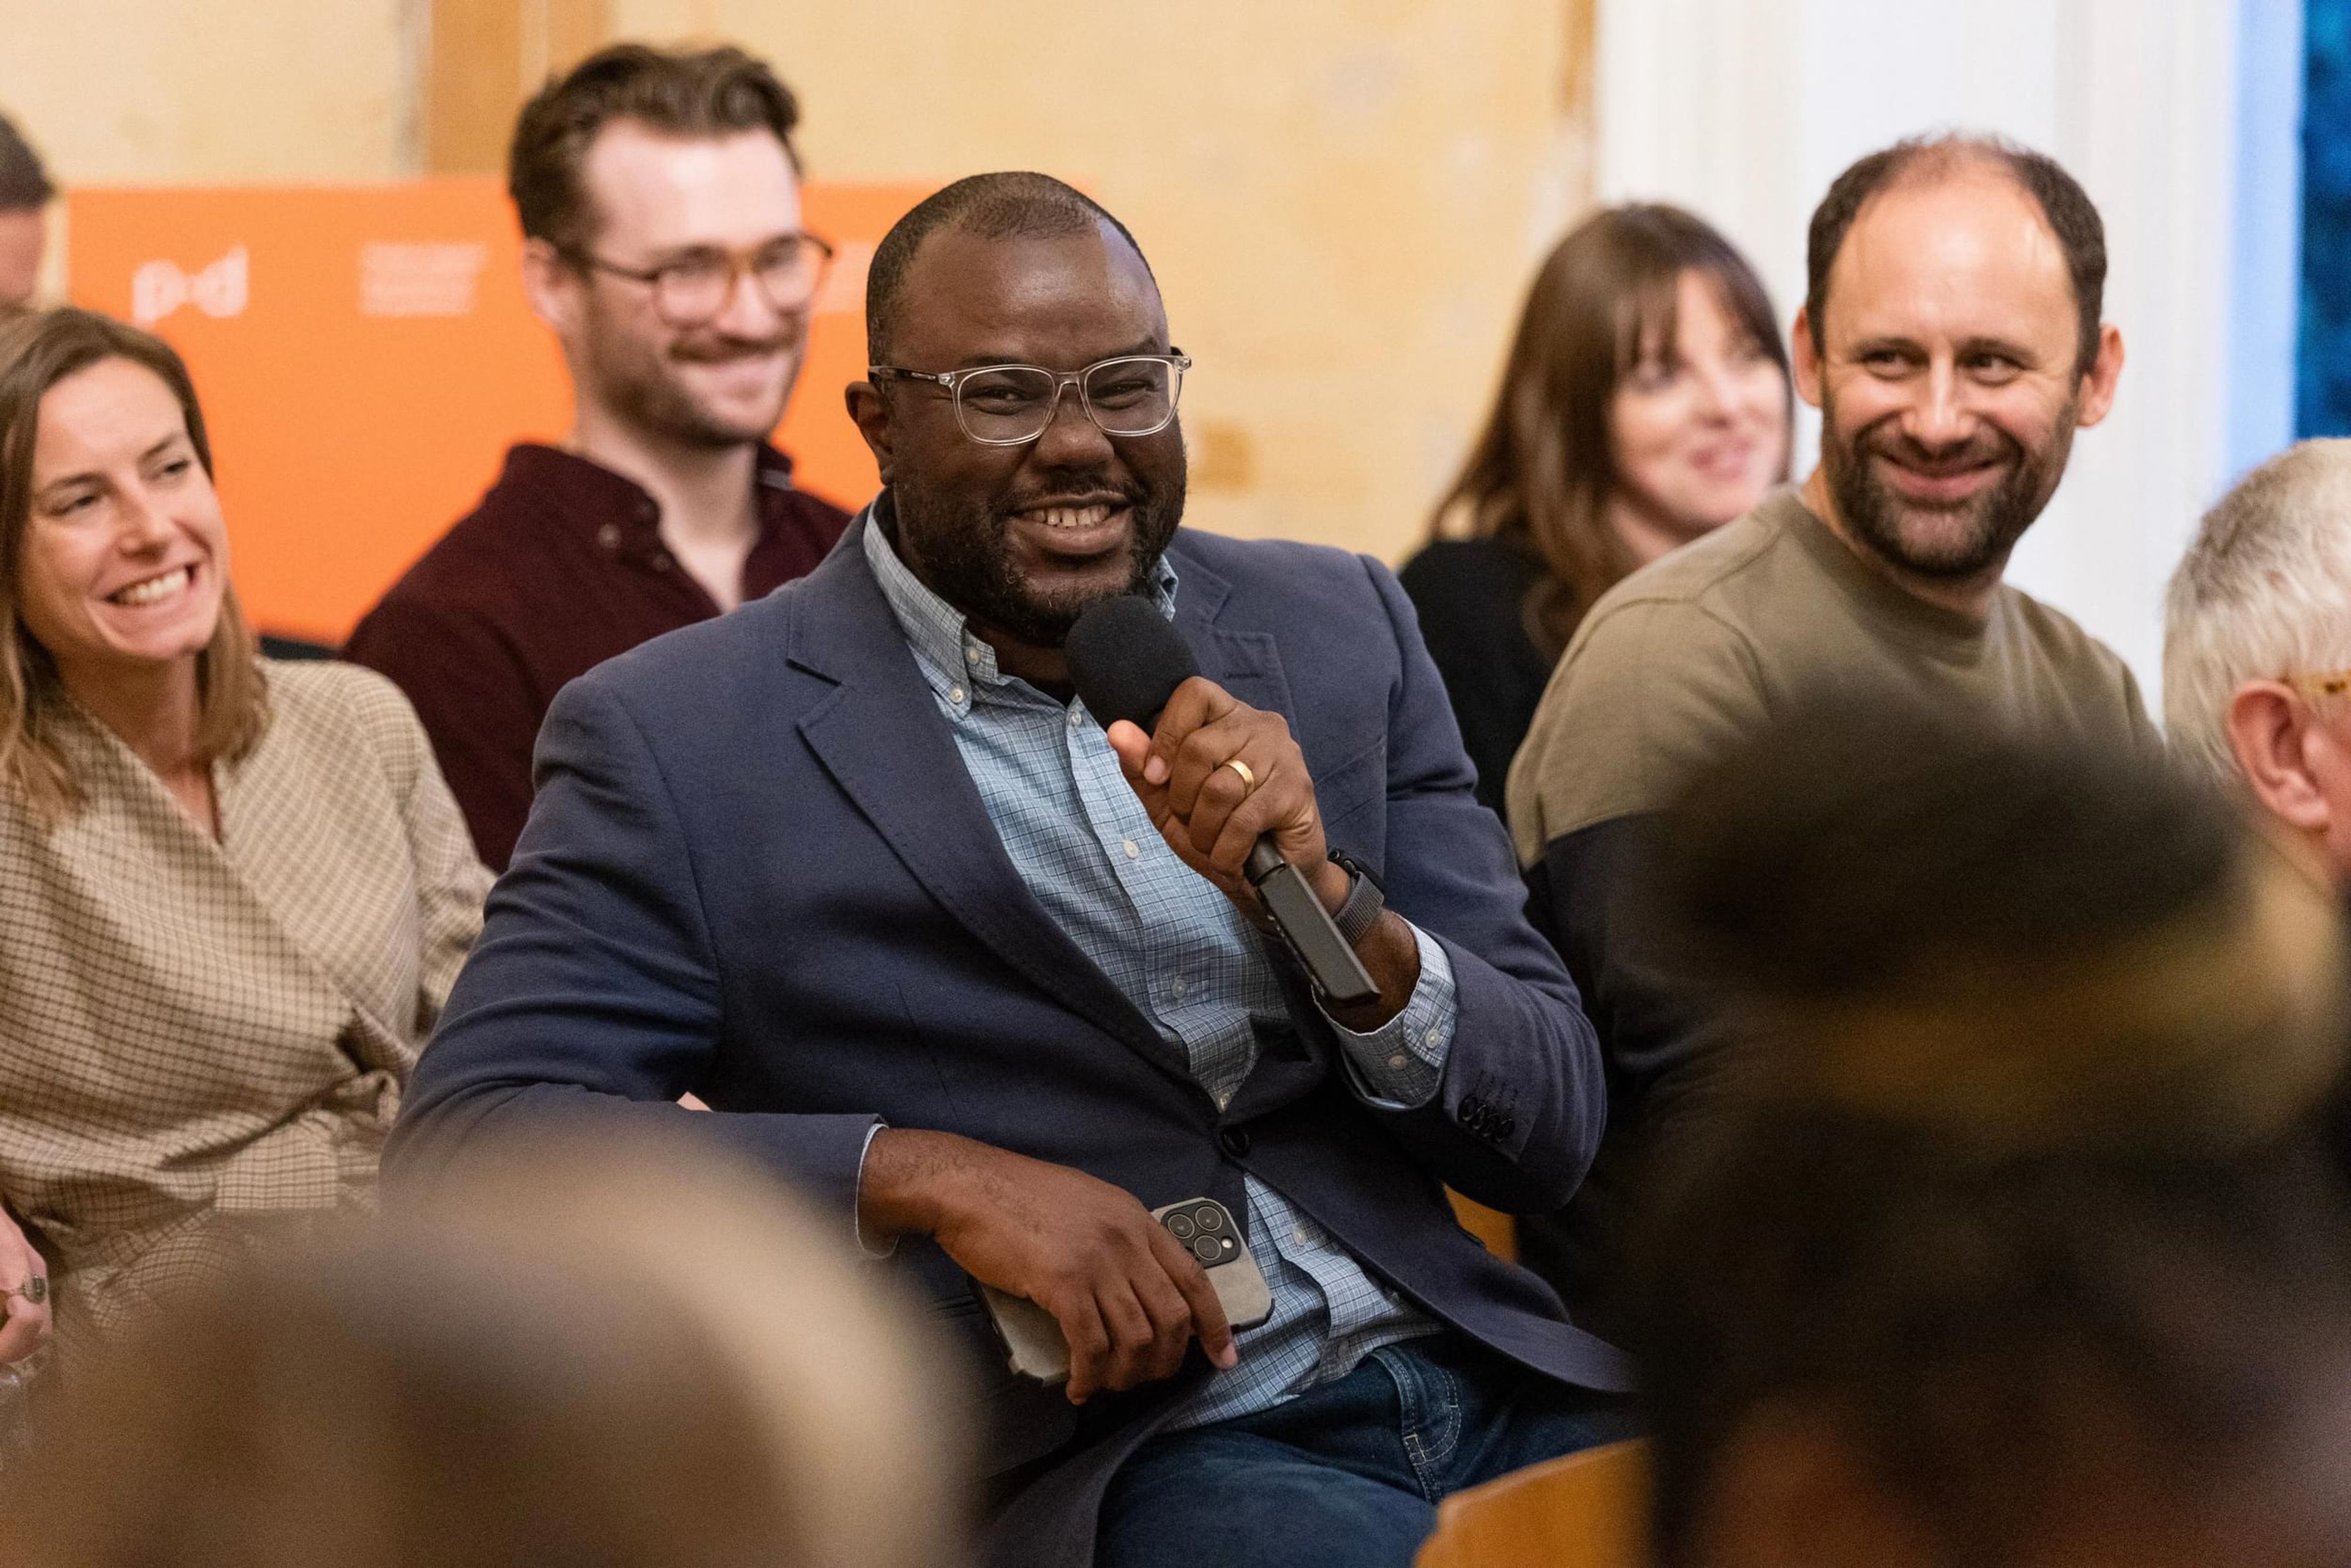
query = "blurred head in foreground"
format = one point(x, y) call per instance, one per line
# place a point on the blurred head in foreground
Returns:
point(2016, 1244)
point(25, 195)
point(616, 1358)
point(2257, 646)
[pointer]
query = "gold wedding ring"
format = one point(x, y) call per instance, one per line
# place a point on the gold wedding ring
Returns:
point(1249, 779)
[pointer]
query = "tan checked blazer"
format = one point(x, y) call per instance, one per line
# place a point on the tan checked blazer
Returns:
point(198, 1038)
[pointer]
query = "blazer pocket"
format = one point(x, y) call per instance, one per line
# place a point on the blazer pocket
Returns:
point(1355, 786)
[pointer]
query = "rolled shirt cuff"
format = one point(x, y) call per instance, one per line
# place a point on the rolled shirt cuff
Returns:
point(1397, 1066)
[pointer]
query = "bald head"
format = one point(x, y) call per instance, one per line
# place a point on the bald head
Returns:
point(2064, 206)
point(999, 206)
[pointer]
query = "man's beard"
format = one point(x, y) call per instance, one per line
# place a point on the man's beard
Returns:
point(963, 545)
point(1981, 531)
point(639, 383)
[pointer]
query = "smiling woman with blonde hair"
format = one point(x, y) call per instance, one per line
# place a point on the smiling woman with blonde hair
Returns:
point(233, 892)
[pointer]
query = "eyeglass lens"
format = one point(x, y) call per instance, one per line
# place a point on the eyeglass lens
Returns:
point(1125, 397)
point(697, 288)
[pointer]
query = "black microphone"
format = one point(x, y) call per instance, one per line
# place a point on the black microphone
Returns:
point(1126, 662)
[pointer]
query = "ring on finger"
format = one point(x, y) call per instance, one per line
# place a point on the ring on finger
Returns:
point(1249, 779)
point(35, 1290)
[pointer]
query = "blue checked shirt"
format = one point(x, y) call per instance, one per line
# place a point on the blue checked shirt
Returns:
point(1184, 954)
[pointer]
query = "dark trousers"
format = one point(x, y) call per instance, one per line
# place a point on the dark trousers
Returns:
point(1347, 1475)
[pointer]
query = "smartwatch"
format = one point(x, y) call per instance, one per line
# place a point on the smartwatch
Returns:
point(1365, 898)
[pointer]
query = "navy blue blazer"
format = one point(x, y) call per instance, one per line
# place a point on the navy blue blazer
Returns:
point(757, 868)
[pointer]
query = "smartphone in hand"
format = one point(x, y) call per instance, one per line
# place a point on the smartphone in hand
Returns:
point(1033, 1341)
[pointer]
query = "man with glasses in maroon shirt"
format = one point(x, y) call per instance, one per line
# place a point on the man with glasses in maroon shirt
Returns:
point(659, 196)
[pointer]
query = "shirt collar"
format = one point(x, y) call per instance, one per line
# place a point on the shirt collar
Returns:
point(954, 660)
point(579, 493)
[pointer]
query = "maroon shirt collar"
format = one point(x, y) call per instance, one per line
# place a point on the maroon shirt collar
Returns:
point(565, 491)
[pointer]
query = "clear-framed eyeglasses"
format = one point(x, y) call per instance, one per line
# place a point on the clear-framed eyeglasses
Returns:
point(2322, 685)
point(1011, 405)
point(693, 289)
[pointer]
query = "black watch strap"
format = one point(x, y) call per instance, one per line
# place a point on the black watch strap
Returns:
point(1365, 899)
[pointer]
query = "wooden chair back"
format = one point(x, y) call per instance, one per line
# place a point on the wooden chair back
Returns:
point(1586, 1511)
point(1498, 1230)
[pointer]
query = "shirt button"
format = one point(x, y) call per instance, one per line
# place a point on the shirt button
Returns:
point(609, 536)
point(1297, 1233)
point(1396, 1061)
point(954, 695)
point(1175, 986)
point(1077, 717)
point(1134, 850)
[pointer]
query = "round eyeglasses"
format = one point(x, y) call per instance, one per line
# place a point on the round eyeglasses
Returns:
point(1011, 405)
point(693, 288)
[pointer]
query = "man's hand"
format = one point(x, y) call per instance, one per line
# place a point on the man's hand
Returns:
point(26, 1325)
point(1209, 814)
point(1211, 817)
point(1128, 1296)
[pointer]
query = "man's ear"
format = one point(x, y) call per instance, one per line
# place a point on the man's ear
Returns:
point(2097, 393)
point(550, 285)
point(870, 412)
point(2269, 733)
point(1807, 358)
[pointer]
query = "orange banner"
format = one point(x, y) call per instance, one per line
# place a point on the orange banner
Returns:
point(365, 356)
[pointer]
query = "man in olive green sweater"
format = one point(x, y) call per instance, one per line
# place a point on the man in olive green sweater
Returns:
point(1951, 338)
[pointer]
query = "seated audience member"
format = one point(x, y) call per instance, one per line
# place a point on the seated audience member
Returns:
point(634, 1356)
point(2257, 646)
point(25, 195)
point(659, 200)
point(1951, 337)
point(2013, 1244)
point(855, 865)
point(1646, 402)
point(234, 892)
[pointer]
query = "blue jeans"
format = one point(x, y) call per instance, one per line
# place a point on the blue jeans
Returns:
point(1347, 1475)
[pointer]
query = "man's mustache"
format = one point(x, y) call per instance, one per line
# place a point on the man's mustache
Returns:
point(1130, 495)
point(728, 349)
point(1988, 444)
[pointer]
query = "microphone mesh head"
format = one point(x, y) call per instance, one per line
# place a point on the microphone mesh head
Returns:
point(1126, 661)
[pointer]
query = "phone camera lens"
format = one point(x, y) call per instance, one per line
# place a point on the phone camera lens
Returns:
point(1211, 1221)
point(1205, 1250)
point(1180, 1226)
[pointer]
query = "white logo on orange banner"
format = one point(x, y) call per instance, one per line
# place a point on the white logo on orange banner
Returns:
point(419, 280)
point(220, 290)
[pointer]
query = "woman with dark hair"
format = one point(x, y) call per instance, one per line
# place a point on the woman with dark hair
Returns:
point(233, 892)
point(1646, 401)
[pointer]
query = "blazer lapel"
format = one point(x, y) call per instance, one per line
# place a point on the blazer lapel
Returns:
point(882, 740)
point(1248, 665)
point(1244, 662)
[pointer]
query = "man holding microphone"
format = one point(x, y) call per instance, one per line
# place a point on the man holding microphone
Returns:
point(857, 867)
